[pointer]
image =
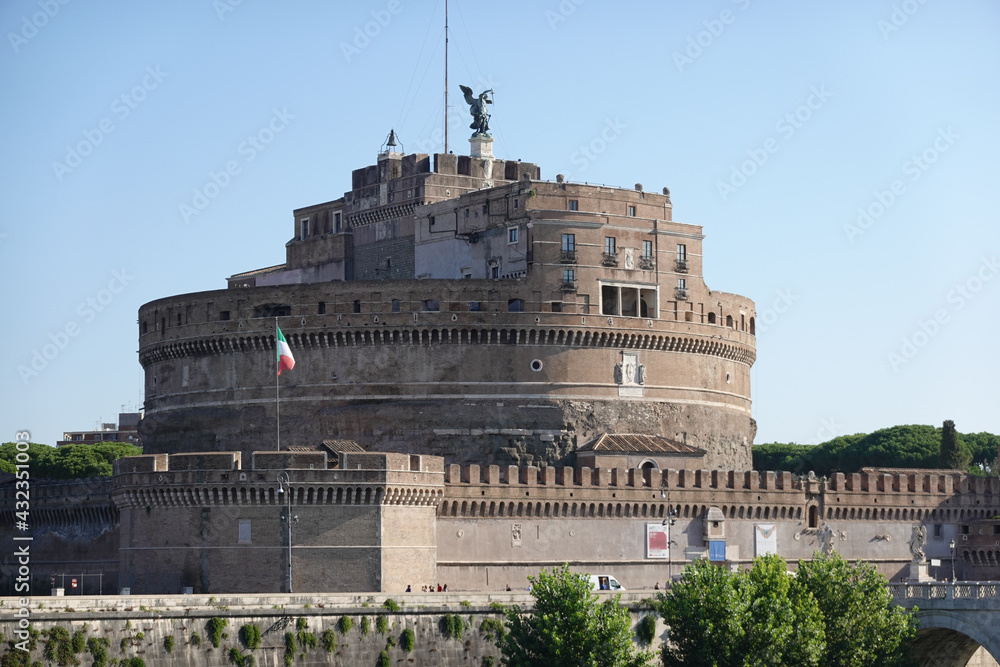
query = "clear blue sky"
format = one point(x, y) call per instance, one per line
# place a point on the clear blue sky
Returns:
point(835, 105)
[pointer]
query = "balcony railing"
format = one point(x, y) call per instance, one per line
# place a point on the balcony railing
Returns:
point(568, 257)
point(610, 259)
point(681, 266)
point(680, 294)
point(568, 286)
point(646, 263)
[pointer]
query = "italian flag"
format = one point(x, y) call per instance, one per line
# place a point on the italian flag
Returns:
point(286, 361)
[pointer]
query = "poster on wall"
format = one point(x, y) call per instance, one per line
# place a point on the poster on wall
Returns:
point(766, 538)
point(657, 542)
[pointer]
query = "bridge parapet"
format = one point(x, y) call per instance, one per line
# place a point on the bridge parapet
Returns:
point(936, 595)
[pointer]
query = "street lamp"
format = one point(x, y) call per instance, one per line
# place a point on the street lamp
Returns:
point(288, 519)
point(668, 521)
point(951, 545)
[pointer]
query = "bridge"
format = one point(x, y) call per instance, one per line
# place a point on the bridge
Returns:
point(955, 620)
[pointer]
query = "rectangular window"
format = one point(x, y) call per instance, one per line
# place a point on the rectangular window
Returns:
point(557, 306)
point(432, 305)
point(337, 224)
point(515, 204)
point(321, 308)
point(609, 245)
point(486, 208)
point(305, 227)
point(474, 306)
point(512, 234)
point(647, 249)
point(466, 273)
point(574, 205)
point(223, 315)
point(357, 306)
point(682, 283)
point(430, 219)
point(395, 305)
point(466, 214)
point(568, 242)
point(244, 531)
point(681, 252)
point(494, 272)
point(631, 211)
point(569, 275)
point(937, 530)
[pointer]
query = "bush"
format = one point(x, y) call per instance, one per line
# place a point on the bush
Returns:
point(168, 643)
point(196, 639)
point(215, 626)
point(79, 641)
point(98, 650)
point(390, 604)
point(452, 626)
point(646, 629)
point(383, 660)
point(344, 624)
point(492, 629)
point(488, 661)
point(381, 624)
point(289, 648)
point(250, 636)
point(307, 640)
point(301, 624)
point(406, 640)
point(329, 640)
point(365, 626)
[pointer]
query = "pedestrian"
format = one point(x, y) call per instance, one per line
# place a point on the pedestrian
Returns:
point(408, 588)
point(656, 586)
point(439, 588)
point(446, 588)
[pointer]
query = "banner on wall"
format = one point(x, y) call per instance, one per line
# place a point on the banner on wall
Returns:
point(716, 551)
point(766, 538)
point(657, 541)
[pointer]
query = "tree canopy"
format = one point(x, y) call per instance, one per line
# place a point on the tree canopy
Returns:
point(70, 461)
point(832, 614)
point(911, 446)
point(568, 627)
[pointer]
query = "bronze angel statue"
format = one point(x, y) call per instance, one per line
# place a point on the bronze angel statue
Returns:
point(477, 107)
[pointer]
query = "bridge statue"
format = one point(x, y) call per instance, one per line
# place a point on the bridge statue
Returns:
point(477, 107)
point(918, 538)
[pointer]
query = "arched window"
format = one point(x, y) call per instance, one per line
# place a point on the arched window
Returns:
point(711, 318)
point(753, 327)
point(729, 321)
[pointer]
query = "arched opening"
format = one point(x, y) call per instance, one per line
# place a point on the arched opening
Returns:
point(812, 516)
point(711, 318)
point(729, 321)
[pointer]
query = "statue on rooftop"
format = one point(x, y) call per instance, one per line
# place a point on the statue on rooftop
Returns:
point(477, 107)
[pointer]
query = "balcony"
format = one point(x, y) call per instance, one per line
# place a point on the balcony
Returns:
point(681, 266)
point(610, 259)
point(646, 263)
point(680, 294)
point(568, 257)
point(568, 286)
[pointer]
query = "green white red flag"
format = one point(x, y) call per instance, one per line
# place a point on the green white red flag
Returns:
point(286, 361)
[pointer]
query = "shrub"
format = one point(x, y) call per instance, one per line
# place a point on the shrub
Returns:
point(289, 648)
point(465, 603)
point(406, 640)
point(196, 639)
point(383, 660)
point(365, 626)
point(344, 624)
point(250, 636)
point(452, 626)
point(329, 640)
point(646, 629)
point(488, 661)
point(215, 625)
point(168, 643)
point(301, 624)
point(381, 624)
point(492, 629)
point(390, 604)
point(79, 641)
point(307, 640)
point(98, 650)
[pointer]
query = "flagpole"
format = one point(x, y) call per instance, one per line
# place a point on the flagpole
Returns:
point(277, 375)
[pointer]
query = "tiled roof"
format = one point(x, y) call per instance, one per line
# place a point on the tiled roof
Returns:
point(639, 444)
point(343, 446)
point(256, 272)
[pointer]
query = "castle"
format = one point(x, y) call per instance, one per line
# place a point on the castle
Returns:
point(495, 374)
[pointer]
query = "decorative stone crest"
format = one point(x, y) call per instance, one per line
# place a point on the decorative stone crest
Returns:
point(630, 375)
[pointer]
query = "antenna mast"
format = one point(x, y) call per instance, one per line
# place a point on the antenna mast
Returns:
point(445, 77)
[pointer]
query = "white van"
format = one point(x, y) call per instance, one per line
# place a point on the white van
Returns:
point(605, 582)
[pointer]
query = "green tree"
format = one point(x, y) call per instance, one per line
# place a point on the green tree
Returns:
point(753, 618)
point(569, 626)
point(70, 461)
point(860, 625)
point(953, 454)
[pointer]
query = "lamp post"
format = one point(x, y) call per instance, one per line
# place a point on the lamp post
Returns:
point(669, 521)
point(283, 479)
point(951, 545)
